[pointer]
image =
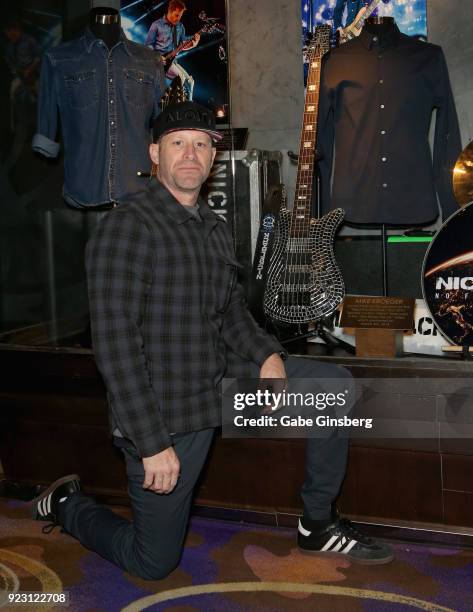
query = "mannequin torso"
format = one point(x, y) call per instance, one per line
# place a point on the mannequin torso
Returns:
point(105, 24)
point(379, 26)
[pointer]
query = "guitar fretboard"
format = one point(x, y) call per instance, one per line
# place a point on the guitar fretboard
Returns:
point(301, 211)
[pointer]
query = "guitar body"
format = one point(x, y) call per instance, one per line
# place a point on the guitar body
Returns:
point(304, 282)
point(208, 28)
point(169, 58)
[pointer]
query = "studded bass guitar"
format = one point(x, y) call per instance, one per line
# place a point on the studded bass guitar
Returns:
point(304, 283)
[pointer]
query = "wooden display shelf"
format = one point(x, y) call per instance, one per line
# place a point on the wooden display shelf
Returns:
point(53, 421)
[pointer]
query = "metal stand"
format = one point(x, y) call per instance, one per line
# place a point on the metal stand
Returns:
point(384, 255)
point(321, 332)
point(51, 276)
point(466, 353)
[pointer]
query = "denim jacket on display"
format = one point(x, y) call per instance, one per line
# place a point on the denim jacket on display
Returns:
point(106, 101)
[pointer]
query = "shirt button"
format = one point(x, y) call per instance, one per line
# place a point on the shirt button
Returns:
point(111, 101)
point(381, 81)
point(375, 39)
point(381, 106)
point(383, 132)
point(111, 80)
point(112, 122)
point(380, 56)
point(113, 144)
point(384, 159)
point(385, 185)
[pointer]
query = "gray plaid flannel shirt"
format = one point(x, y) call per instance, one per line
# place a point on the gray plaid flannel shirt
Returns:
point(166, 312)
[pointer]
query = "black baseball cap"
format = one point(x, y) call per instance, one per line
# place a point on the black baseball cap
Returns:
point(186, 116)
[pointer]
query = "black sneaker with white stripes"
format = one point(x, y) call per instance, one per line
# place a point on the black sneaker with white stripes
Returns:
point(341, 539)
point(46, 506)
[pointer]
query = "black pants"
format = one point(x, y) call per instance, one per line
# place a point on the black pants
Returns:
point(326, 456)
point(150, 546)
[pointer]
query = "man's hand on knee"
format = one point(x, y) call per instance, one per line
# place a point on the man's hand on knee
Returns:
point(273, 378)
point(161, 471)
point(273, 367)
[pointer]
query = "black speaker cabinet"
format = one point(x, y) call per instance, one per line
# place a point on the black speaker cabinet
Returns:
point(360, 260)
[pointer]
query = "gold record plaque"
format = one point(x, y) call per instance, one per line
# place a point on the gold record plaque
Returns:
point(447, 277)
point(463, 177)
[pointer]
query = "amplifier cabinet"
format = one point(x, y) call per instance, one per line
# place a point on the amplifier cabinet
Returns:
point(236, 188)
point(360, 261)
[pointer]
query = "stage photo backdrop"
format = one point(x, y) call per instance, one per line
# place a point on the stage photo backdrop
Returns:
point(169, 25)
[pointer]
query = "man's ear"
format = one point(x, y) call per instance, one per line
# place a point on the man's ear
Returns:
point(154, 152)
point(214, 153)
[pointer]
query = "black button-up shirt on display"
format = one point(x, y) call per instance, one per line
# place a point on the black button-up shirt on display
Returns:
point(167, 316)
point(377, 95)
point(107, 101)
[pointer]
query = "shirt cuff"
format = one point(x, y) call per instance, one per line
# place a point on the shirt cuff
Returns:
point(268, 348)
point(45, 146)
point(153, 443)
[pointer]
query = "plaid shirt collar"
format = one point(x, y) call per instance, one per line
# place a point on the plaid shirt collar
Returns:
point(178, 212)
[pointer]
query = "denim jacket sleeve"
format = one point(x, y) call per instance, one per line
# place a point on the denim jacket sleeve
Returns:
point(43, 141)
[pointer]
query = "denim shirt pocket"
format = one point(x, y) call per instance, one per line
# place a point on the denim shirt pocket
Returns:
point(81, 89)
point(139, 87)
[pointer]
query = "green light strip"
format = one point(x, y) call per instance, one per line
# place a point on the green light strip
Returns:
point(410, 238)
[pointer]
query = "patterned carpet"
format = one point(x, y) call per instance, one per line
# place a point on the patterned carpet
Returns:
point(230, 567)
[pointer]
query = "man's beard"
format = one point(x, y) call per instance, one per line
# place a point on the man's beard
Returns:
point(190, 183)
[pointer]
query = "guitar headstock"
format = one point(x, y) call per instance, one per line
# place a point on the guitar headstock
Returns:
point(318, 42)
point(211, 27)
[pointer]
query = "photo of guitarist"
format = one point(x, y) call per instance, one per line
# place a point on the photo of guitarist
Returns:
point(166, 35)
point(353, 8)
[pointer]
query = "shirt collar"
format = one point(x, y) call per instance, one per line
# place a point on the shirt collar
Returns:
point(389, 38)
point(90, 40)
point(177, 211)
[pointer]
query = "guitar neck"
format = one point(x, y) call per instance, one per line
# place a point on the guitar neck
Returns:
point(301, 211)
point(183, 44)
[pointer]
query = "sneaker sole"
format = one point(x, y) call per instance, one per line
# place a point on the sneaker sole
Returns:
point(52, 486)
point(338, 555)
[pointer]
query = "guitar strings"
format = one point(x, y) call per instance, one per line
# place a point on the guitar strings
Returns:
point(298, 257)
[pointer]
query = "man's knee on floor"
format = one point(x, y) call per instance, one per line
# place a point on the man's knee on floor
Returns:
point(156, 569)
